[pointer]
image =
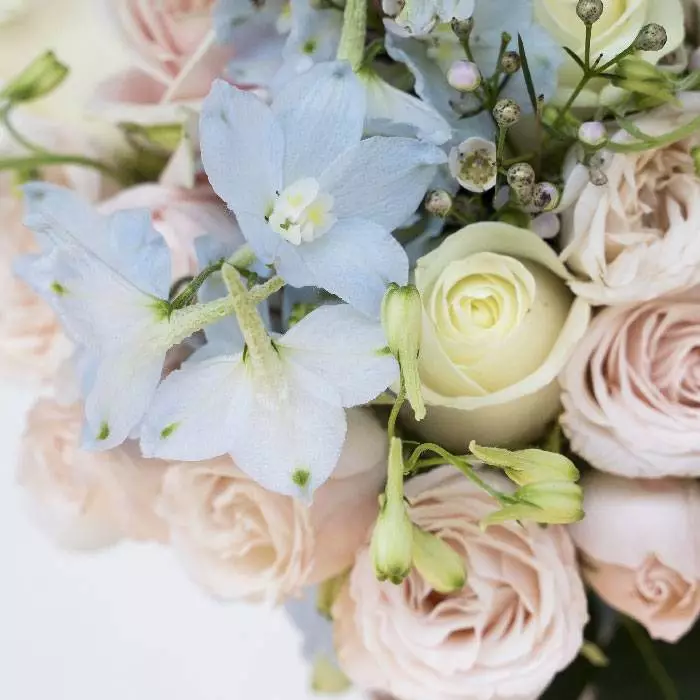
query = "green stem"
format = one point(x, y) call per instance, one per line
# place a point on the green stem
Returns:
point(577, 91)
point(652, 141)
point(43, 159)
point(654, 666)
point(629, 50)
point(589, 34)
point(261, 292)
point(190, 291)
point(16, 135)
point(187, 321)
point(352, 38)
point(394, 415)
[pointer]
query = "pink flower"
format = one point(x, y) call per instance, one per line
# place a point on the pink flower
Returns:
point(181, 216)
point(240, 541)
point(641, 544)
point(632, 389)
point(177, 57)
point(516, 623)
point(85, 500)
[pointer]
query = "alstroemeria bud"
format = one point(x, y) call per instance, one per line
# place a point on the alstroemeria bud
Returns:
point(402, 320)
point(545, 196)
point(589, 11)
point(506, 112)
point(473, 164)
point(547, 502)
point(593, 134)
point(651, 37)
point(440, 565)
point(439, 203)
point(527, 466)
point(464, 76)
point(392, 539)
point(39, 78)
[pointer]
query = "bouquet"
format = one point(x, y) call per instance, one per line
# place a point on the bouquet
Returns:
point(389, 313)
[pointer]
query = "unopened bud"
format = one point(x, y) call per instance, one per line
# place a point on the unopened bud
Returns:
point(473, 164)
point(521, 174)
point(506, 113)
point(392, 539)
point(462, 28)
point(597, 177)
point(464, 76)
point(651, 37)
point(547, 502)
point(527, 466)
point(589, 11)
point(593, 134)
point(545, 196)
point(438, 203)
point(402, 320)
point(510, 62)
point(39, 78)
point(439, 565)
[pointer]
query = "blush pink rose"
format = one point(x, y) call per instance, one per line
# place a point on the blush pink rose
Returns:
point(640, 543)
point(240, 541)
point(631, 390)
point(517, 622)
point(175, 50)
point(181, 216)
point(86, 500)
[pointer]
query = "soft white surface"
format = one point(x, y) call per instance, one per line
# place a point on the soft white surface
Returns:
point(126, 622)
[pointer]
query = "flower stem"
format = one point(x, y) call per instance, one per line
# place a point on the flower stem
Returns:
point(393, 416)
point(352, 38)
point(44, 159)
point(262, 291)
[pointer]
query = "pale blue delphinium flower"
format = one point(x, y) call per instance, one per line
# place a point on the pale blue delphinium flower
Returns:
point(430, 58)
point(283, 424)
point(107, 279)
point(310, 196)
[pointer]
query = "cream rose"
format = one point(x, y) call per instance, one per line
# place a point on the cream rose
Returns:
point(85, 500)
point(640, 542)
point(499, 324)
point(612, 33)
point(631, 390)
point(239, 540)
point(181, 216)
point(516, 623)
point(635, 238)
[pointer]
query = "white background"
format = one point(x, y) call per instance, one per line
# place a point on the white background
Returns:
point(123, 624)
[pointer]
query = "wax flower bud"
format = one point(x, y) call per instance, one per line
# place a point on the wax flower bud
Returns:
point(392, 539)
point(402, 319)
point(510, 62)
point(547, 502)
point(589, 11)
point(651, 37)
point(473, 164)
point(545, 196)
point(593, 134)
point(527, 466)
point(440, 565)
point(506, 113)
point(439, 203)
point(39, 78)
point(462, 28)
point(464, 76)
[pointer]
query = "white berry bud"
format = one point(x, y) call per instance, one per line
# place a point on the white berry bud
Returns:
point(464, 76)
point(438, 203)
point(510, 62)
point(651, 37)
point(521, 174)
point(593, 134)
point(589, 11)
point(545, 196)
point(506, 113)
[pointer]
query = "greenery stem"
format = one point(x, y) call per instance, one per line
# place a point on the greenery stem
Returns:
point(587, 57)
point(261, 292)
point(43, 159)
point(352, 38)
point(394, 415)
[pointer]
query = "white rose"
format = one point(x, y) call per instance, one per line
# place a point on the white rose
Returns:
point(612, 33)
point(636, 238)
point(499, 324)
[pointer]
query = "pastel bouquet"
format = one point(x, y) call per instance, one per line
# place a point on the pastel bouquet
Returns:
point(360, 307)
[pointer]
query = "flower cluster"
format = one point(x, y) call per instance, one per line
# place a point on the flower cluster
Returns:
point(371, 303)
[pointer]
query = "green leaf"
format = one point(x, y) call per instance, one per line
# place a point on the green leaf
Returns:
point(532, 93)
point(576, 58)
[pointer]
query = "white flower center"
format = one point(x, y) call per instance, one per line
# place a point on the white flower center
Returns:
point(302, 213)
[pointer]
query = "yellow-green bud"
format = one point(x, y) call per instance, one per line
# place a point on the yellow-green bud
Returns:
point(402, 319)
point(39, 78)
point(392, 540)
point(527, 466)
point(162, 137)
point(328, 592)
point(439, 565)
point(548, 502)
point(327, 678)
point(695, 153)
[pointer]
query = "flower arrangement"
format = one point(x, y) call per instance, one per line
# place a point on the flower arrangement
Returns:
point(389, 313)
